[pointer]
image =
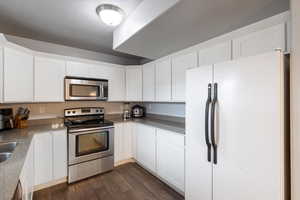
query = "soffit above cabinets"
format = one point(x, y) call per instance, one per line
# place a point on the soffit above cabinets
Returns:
point(191, 22)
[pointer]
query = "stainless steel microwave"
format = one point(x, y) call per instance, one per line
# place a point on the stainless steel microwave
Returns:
point(85, 89)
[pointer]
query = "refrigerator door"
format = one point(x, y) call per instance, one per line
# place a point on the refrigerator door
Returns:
point(198, 177)
point(250, 129)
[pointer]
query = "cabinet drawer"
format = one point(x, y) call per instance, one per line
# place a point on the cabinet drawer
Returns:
point(170, 137)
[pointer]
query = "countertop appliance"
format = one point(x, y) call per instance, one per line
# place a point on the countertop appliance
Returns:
point(90, 142)
point(236, 130)
point(6, 119)
point(138, 111)
point(85, 89)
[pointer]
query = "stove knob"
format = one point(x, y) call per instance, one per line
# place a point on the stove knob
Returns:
point(69, 112)
point(73, 112)
point(97, 110)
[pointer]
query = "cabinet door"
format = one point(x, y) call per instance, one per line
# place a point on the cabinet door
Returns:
point(198, 173)
point(116, 91)
point(146, 146)
point(134, 140)
point(134, 83)
point(118, 142)
point(127, 140)
point(215, 54)
point(59, 154)
point(170, 157)
point(43, 158)
point(179, 66)
point(49, 76)
point(250, 142)
point(18, 76)
point(260, 42)
point(163, 80)
point(149, 82)
point(1, 75)
point(78, 69)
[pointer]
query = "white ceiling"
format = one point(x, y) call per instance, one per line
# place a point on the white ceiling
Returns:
point(68, 22)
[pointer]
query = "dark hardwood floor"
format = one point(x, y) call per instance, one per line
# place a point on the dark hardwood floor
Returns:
point(126, 182)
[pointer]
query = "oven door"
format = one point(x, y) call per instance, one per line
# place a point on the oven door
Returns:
point(90, 144)
point(85, 89)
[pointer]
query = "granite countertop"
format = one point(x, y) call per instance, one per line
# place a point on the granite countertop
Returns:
point(10, 170)
point(175, 124)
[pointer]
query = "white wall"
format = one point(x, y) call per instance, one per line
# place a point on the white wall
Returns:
point(69, 51)
point(171, 109)
point(295, 99)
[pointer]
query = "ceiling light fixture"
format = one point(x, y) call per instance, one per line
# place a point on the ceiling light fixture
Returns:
point(110, 14)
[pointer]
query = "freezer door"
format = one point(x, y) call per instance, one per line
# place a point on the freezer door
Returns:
point(250, 129)
point(198, 169)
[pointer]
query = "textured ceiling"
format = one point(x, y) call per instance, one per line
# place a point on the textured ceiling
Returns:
point(67, 22)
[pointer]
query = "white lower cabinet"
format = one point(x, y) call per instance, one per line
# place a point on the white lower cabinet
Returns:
point(50, 156)
point(146, 146)
point(123, 142)
point(170, 157)
point(27, 174)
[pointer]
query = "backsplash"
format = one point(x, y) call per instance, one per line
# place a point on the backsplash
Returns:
point(57, 109)
point(171, 109)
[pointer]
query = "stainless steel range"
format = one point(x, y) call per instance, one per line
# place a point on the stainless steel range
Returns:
point(90, 143)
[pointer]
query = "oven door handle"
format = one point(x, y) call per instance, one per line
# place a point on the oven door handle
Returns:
point(87, 131)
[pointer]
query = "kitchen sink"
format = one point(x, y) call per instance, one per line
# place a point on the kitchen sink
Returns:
point(8, 147)
point(4, 156)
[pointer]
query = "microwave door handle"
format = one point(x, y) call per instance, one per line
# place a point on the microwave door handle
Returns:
point(101, 91)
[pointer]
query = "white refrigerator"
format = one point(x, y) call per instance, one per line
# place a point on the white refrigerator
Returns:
point(236, 132)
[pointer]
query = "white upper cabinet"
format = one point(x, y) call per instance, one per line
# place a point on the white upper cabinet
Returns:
point(116, 85)
point(163, 80)
point(260, 42)
point(49, 76)
point(18, 75)
point(134, 83)
point(180, 64)
point(215, 54)
point(1, 75)
point(149, 82)
point(78, 69)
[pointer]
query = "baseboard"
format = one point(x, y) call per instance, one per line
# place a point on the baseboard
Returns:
point(130, 160)
point(49, 184)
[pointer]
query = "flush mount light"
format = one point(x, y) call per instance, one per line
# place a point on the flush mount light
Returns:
point(110, 14)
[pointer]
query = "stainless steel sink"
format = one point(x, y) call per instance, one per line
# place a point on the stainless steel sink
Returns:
point(8, 147)
point(4, 156)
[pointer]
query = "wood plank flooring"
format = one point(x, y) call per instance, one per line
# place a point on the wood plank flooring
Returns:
point(126, 182)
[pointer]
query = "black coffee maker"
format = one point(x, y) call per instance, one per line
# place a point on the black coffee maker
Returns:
point(6, 119)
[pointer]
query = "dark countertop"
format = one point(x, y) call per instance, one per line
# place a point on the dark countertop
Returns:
point(10, 170)
point(174, 124)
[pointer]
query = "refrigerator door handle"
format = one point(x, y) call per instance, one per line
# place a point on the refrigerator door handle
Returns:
point(212, 125)
point(208, 102)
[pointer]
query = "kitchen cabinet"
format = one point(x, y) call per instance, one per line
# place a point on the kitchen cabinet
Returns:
point(116, 84)
point(245, 135)
point(149, 82)
point(60, 150)
point(78, 69)
point(134, 83)
point(217, 53)
point(27, 174)
point(18, 75)
point(170, 157)
point(123, 142)
point(146, 146)
point(163, 80)
point(180, 64)
point(49, 76)
point(260, 42)
point(1, 75)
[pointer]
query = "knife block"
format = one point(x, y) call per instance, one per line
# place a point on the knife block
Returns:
point(21, 123)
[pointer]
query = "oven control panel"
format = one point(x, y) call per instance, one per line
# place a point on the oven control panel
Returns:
point(84, 111)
